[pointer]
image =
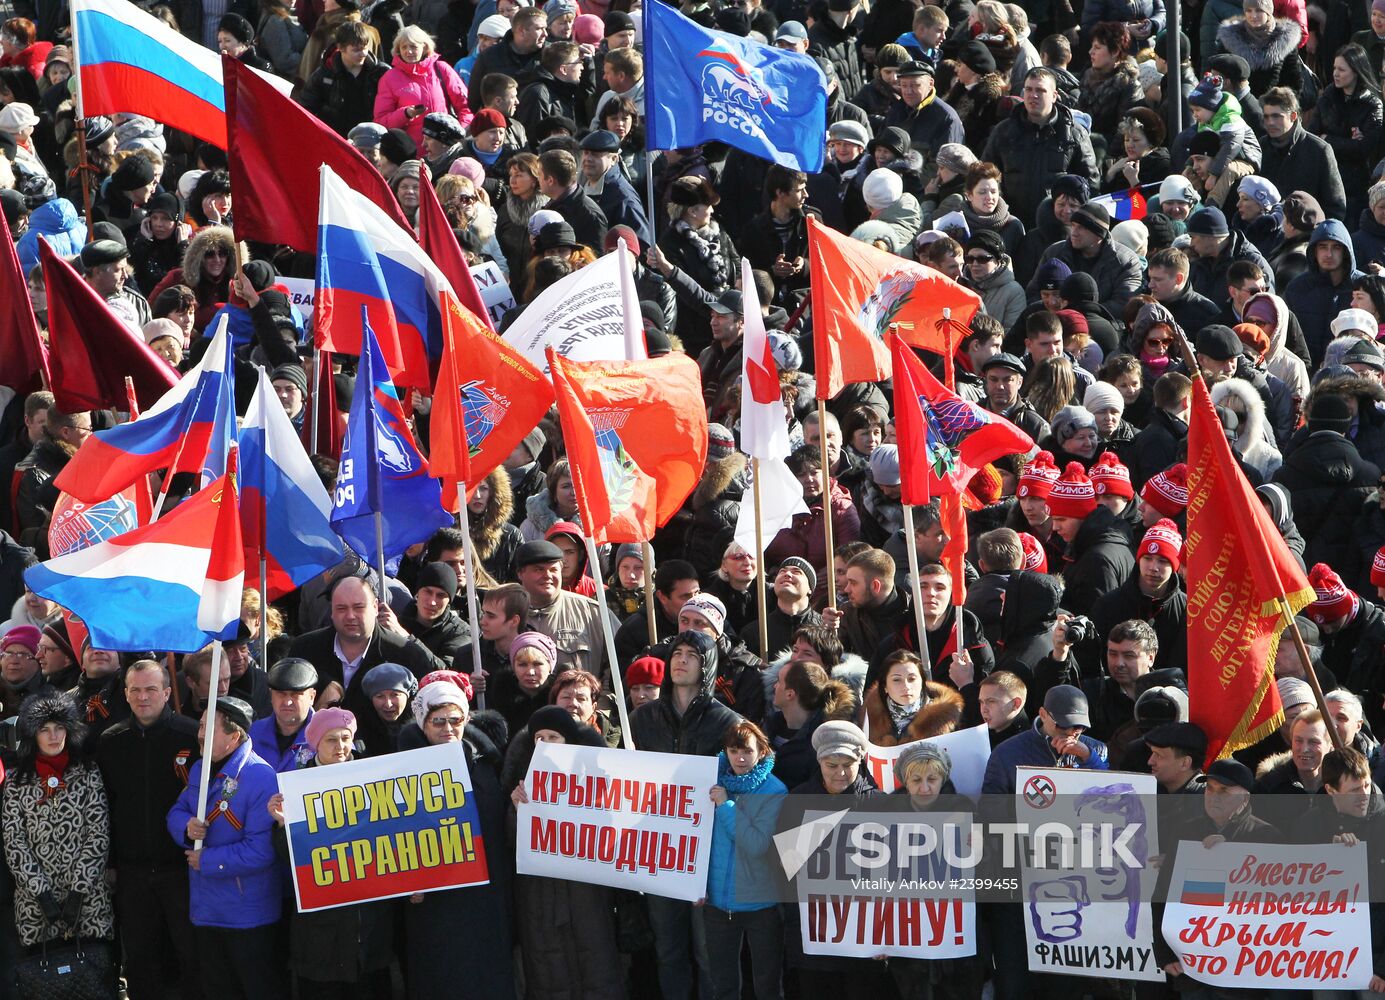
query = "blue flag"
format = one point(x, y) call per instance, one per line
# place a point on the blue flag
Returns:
point(381, 468)
point(708, 86)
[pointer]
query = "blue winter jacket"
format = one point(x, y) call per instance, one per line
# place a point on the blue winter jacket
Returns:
point(1312, 296)
point(57, 221)
point(1032, 749)
point(740, 874)
point(264, 739)
point(239, 884)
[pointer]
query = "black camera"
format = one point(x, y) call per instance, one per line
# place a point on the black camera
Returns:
point(1077, 630)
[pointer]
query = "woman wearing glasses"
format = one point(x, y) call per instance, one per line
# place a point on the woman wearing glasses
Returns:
point(207, 269)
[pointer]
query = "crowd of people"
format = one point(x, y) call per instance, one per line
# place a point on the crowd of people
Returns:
point(997, 144)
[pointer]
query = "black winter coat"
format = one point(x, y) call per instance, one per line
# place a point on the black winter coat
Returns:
point(341, 100)
point(841, 47)
point(1098, 560)
point(1156, 447)
point(658, 727)
point(1031, 608)
point(929, 128)
point(14, 560)
point(1304, 162)
point(1327, 480)
point(1207, 276)
point(1168, 617)
point(446, 638)
point(1334, 120)
point(145, 770)
point(694, 317)
point(588, 222)
point(1030, 157)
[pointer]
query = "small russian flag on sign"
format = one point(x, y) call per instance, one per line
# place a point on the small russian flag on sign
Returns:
point(1124, 205)
point(1203, 888)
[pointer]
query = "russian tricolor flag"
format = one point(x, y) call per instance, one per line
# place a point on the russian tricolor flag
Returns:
point(173, 585)
point(284, 508)
point(365, 259)
point(1124, 205)
point(1202, 888)
point(130, 61)
point(188, 430)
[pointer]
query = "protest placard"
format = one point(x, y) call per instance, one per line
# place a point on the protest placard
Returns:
point(382, 827)
point(883, 885)
point(970, 749)
point(1084, 917)
point(495, 290)
point(623, 818)
point(300, 293)
point(1266, 916)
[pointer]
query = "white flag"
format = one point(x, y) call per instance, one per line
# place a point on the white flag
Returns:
point(764, 425)
point(781, 497)
point(591, 315)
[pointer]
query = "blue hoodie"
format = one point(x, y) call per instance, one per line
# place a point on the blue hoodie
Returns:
point(1312, 296)
point(56, 221)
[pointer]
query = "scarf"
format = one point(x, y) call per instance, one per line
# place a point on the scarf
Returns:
point(1156, 366)
point(706, 243)
point(739, 784)
point(993, 220)
point(50, 772)
point(1260, 36)
point(902, 715)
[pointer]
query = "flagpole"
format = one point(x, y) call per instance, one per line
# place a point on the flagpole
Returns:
point(210, 732)
point(647, 552)
point(380, 546)
point(317, 402)
point(171, 471)
point(913, 554)
point(760, 558)
point(617, 681)
point(826, 497)
point(472, 616)
point(264, 599)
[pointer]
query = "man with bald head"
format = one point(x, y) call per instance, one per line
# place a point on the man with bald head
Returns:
point(354, 642)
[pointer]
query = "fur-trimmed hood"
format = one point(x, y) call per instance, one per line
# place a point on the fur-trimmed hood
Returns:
point(1254, 434)
point(941, 714)
point(851, 672)
point(488, 529)
point(49, 706)
point(1236, 39)
point(204, 240)
point(1272, 761)
point(1365, 391)
point(720, 479)
point(542, 515)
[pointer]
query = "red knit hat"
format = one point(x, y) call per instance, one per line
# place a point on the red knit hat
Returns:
point(1378, 568)
point(1073, 495)
point(1164, 540)
point(1167, 492)
point(1038, 477)
point(1035, 557)
point(1334, 599)
point(1111, 478)
point(986, 485)
point(645, 670)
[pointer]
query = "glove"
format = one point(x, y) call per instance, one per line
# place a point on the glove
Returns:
point(49, 906)
point(72, 907)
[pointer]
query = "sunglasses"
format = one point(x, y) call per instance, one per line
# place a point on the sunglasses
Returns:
point(979, 258)
point(466, 199)
point(216, 252)
point(1158, 341)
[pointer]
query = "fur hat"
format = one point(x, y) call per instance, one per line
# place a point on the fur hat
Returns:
point(1038, 477)
point(1167, 491)
point(689, 191)
point(1073, 494)
point(37, 710)
point(1163, 539)
point(1111, 478)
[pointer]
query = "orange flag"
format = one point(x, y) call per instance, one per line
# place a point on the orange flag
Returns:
point(486, 399)
point(954, 524)
point(636, 435)
point(859, 292)
point(1239, 574)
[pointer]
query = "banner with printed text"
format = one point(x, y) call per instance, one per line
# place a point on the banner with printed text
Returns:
point(623, 818)
point(383, 827)
point(1266, 916)
point(1086, 918)
point(970, 750)
point(883, 885)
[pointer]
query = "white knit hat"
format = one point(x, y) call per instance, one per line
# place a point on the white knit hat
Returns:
point(1176, 187)
point(1103, 396)
point(882, 189)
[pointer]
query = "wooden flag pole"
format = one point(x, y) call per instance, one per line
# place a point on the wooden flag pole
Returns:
point(760, 598)
point(1291, 626)
point(617, 682)
point(214, 679)
point(651, 613)
point(826, 496)
point(470, 555)
point(913, 554)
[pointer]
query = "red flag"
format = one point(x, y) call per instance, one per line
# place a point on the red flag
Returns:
point(943, 439)
point(486, 399)
point(631, 475)
point(92, 350)
point(23, 356)
point(323, 403)
point(440, 242)
point(954, 525)
point(275, 149)
point(859, 292)
point(1239, 574)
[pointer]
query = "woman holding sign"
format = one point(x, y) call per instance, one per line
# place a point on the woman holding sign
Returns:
point(344, 951)
point(479, 915)
point(567, 930)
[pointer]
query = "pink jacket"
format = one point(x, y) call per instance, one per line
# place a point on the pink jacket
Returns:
point(423, 82)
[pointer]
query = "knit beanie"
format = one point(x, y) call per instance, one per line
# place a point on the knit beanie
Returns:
point(1110, 477)
point(1035, 558)
point(882, 189)
point(534, 640)
point(804, 567)
point(1103, 396)
point(1164, 540)
point(440, 575)
point(1378, 563)
point(1069, 420)
point(1167, 491)
point(1073, 494)
point(1038, 477)
point(710, 608)
point(720, 442)
point(1208, 93)
point(1333, 599)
